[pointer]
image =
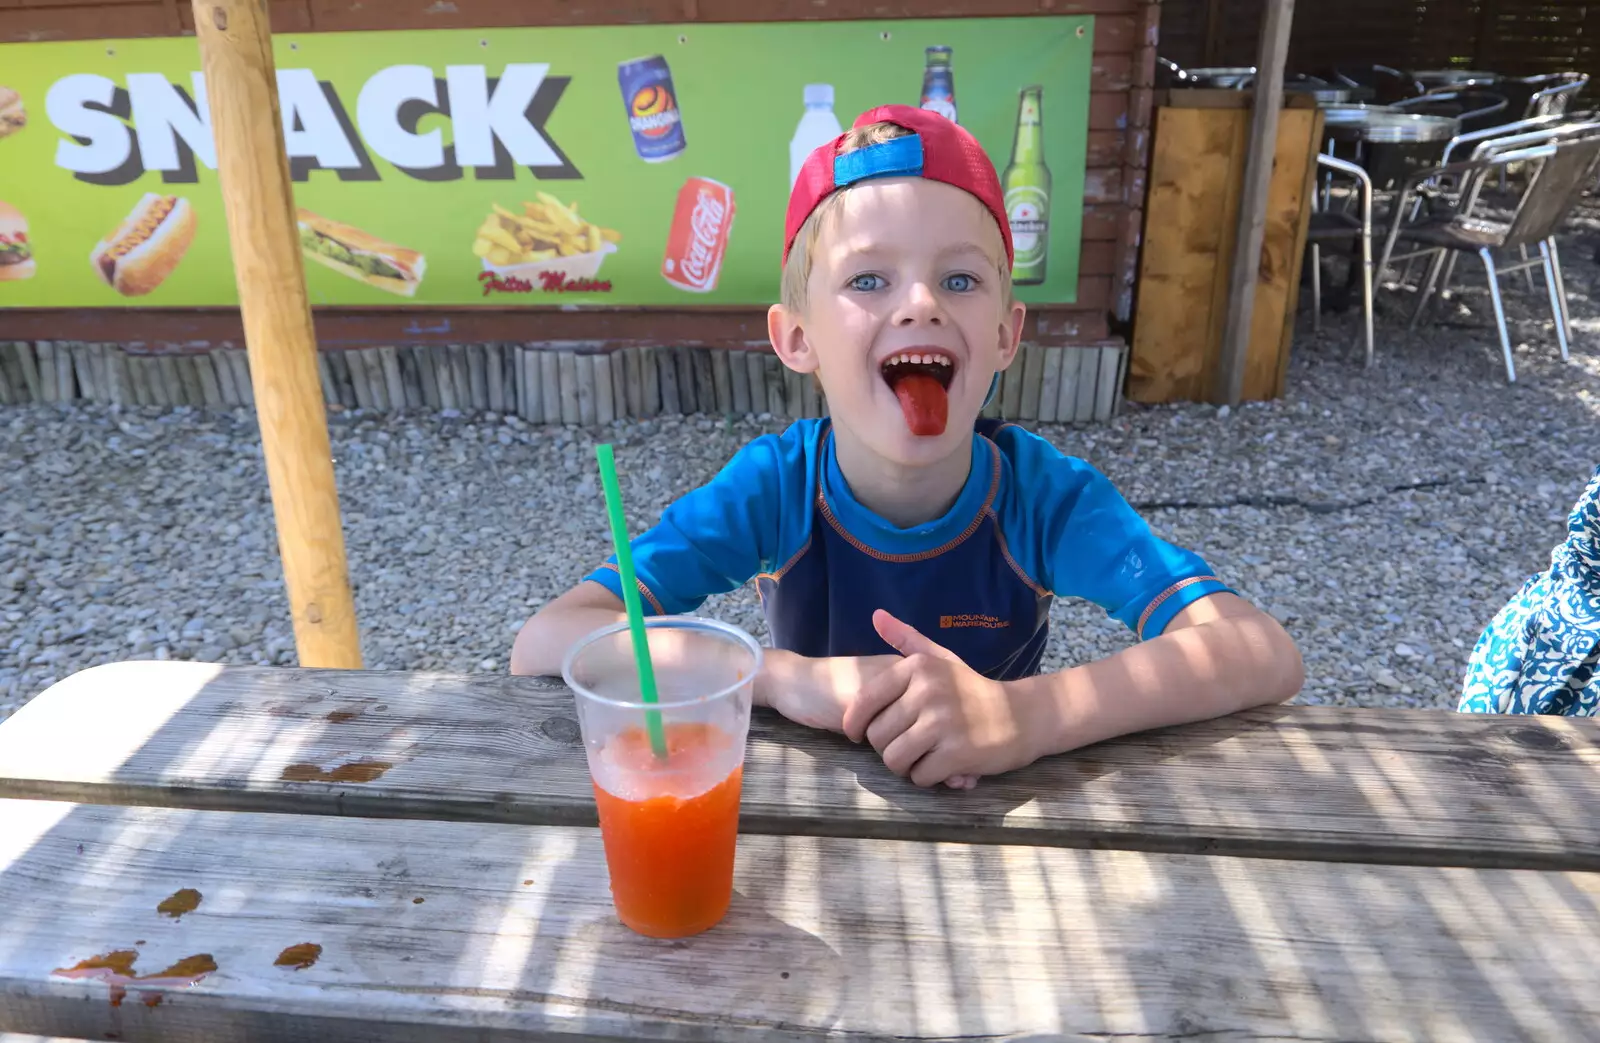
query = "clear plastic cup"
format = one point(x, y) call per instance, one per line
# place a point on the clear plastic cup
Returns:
point(669, 823)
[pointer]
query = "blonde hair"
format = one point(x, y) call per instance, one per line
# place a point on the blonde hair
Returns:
point(797, 267)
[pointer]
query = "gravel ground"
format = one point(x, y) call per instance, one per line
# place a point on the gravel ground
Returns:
point(1382, 515)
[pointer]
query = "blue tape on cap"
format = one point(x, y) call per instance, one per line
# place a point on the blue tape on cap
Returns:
point(897, 157)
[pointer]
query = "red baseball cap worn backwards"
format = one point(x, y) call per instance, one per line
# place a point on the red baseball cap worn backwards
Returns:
point(936, 149)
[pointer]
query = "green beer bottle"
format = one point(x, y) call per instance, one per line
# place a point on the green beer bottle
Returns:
point(1027, 192)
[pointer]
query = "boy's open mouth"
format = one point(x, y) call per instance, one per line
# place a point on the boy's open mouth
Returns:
point(920, 379)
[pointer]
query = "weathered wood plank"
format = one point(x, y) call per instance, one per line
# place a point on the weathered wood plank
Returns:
point(1088, 382)
point(619, 382)
point(428, 377)
point(343, 381)
point(1291, 781)
point(550, 386)
point(1032, 365)
point(83, 368)
point(583, 373)
point(567, 367)
point(189, 380)
point(27, 367)
point(687, 392)
point(139, 381)
point(667, 370)
point(532, 401)
point(167, 377)
point(46, 351)
point(1106, 385)
point(739, 382)
point(705, 385)
point(633, 382)
point(449, 932)
point(756, 364)
point(650, 376)
point(210, 390)
point(460, 376)
point(410, 378)
point(1011, 391)
point(239, 358)
point(1050, 385)
point(478, 376)
point(777, 385)
point(394, 385)
point(494, 370)
point(721, 380)
point(605, 402)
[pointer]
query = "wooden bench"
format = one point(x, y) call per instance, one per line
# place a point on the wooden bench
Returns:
point(1298, 872)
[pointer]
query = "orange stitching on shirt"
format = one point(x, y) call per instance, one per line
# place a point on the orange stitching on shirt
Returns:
point(642, 589)
point(776, 576)
point(977, 520)
point(1005, 552)
point(1157, 601)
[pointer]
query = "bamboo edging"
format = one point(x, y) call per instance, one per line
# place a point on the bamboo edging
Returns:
point(534, 383)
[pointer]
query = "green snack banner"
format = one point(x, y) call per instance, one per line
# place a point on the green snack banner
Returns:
point(616, 165)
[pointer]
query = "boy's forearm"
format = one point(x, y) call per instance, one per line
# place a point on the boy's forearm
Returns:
point(1192, 674)
point(543, 641)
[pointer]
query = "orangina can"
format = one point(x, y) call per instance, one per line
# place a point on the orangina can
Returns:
point(652, 104)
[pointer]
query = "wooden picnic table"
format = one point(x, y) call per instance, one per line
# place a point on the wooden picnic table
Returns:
point(295, 855)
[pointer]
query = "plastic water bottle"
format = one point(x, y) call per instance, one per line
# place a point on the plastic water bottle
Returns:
point(817, 127)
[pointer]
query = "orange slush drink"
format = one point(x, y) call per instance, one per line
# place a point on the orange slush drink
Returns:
point(670, 833)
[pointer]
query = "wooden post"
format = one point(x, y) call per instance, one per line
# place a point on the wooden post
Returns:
point(1253, 202)
point(236, 52)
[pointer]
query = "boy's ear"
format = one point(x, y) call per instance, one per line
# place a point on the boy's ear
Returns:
point(1011, 328)
point(788, 337)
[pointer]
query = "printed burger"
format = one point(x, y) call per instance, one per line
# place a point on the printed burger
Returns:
point(13, 117)
point(16, 256)
point(145, 248)
point(361, 256)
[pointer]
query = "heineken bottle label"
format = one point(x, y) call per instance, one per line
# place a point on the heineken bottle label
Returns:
point(1027, 208)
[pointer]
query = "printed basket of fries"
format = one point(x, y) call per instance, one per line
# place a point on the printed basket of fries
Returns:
point(548, 236)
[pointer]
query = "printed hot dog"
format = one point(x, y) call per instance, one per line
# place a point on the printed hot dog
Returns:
point(147, 246)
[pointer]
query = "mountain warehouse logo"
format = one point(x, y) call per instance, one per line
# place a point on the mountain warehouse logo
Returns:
point(985, 622)
point(114, 132)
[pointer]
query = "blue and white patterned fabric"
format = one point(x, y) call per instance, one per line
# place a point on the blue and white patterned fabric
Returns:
point(1541, 653)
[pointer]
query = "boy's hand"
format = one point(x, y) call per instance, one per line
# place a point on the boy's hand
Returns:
point(816, 692)
point(934, 718)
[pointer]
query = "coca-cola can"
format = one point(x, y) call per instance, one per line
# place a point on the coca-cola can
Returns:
point(699, 236)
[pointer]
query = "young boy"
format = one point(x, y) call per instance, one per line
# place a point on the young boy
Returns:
point(906, 551)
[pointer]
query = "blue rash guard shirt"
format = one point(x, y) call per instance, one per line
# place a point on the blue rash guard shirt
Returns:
point(1030, 524)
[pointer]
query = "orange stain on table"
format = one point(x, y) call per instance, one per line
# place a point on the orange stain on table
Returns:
point(343, 716)
point(116, 970)
point(299, 956)
point(180, 902)
point(355, 771)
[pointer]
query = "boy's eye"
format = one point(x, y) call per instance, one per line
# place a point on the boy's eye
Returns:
point(866, 283)
point(960, 282)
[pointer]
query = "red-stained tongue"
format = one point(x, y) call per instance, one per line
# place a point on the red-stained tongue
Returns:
point(924, 402)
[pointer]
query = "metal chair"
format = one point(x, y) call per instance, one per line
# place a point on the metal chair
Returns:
point(1563, 166)
point(1548, 95)
point(1448, 190)
point(1476, 109)
point(1329, 226)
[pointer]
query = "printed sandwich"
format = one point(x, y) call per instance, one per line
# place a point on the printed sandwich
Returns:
point(13, 117)
point(147, 246)
point(359, 255)
point(16, 256)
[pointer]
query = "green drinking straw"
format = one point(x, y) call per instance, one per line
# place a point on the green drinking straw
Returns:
point(630, 596)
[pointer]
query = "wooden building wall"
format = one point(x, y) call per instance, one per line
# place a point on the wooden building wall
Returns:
point(1124, 61)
